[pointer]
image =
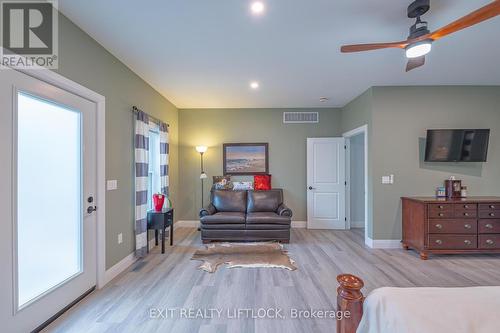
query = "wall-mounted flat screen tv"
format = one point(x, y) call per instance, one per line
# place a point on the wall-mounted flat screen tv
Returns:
point(457, 145)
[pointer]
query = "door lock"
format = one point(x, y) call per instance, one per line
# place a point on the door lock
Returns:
point(311, 188)
point(91, 209)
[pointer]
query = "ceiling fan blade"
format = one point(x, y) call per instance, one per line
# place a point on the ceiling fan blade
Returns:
point(375, 46)
point(485, 13)
point(415, 63)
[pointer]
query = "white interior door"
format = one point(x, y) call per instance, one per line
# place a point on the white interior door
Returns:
point(326, 183)
point(48, 184)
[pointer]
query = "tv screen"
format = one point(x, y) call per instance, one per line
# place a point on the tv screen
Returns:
point(457, 145)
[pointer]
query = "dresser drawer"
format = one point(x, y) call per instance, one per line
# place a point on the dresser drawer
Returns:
point(460, 226)
point(465, 207)
point(456, 242)
point(489, 241)
point(489, 226)
point(489, 206)
point(440, 211)
point(489, 214)
point(465, 214)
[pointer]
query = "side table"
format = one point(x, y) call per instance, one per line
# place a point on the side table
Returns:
point(159, 221)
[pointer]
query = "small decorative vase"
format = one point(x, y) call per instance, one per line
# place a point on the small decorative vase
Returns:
point(158, 201)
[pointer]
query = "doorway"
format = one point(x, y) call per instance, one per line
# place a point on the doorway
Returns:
point(357, 178)
point(50, 173)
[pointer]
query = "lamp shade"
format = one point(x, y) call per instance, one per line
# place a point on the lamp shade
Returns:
point(201, 149)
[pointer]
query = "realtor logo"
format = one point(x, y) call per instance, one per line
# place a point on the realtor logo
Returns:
point(29, 34)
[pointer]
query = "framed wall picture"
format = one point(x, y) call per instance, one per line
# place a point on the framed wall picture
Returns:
point(246, 158)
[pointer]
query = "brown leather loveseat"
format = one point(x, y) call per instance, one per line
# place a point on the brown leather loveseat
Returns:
point(246, 216)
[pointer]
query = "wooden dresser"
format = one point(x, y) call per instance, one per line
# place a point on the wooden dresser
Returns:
point(450, 226)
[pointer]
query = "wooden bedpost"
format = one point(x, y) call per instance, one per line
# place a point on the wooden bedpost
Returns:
point(350, 302)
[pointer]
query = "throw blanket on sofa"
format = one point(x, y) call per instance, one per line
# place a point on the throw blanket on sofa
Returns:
point(432, 310)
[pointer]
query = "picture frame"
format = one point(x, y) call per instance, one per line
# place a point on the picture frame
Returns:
point(245, 159)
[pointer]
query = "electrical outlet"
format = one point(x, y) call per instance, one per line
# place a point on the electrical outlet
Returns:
point(120, 238)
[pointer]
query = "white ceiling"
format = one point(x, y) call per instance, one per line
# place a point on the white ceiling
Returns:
point(203, 54)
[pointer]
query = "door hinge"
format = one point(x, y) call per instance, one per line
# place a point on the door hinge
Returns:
point(345, 146)
point(345, 183)
point(345, 219)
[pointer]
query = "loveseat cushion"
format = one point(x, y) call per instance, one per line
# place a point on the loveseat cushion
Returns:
point(223, 218)
point(267, 218)
point(229, 201)
point(270, 226)
point(264, 201)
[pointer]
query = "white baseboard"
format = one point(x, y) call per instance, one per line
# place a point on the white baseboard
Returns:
point(186, 224)
point(122, 265)
point(299, 224)
point(383, 243)
point(196, 224)
point(357, 224)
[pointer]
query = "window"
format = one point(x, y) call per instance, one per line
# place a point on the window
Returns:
point(154, 181)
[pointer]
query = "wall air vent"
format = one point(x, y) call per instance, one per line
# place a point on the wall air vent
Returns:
point(300, 117)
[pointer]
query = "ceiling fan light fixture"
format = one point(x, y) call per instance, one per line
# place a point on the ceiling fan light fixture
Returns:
point(419, 49)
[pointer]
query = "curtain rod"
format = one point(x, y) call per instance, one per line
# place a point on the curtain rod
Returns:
point(135, 109)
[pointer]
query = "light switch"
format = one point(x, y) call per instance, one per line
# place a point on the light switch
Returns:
point(120, 238)
point(388, 179)
point(112, 185)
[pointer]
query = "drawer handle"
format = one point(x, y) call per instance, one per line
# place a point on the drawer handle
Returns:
point(440, 214)
point(489, 226)
point(492, 206)
point(466, 214)
point(492, 214)
point(490, 242)
point(466, 206)
point(467, 226)
point(438, 241)
point(467, 242)
point(440, 206)
point(439, 226)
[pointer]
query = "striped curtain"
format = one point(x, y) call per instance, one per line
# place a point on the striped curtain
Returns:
point(141, 182)
point(164, 158)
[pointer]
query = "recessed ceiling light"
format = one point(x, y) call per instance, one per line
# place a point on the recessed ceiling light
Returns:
point(254, 85)
point(257, 7)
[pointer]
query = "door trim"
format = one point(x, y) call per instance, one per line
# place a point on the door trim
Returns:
point(348, 135)
point(64, 83)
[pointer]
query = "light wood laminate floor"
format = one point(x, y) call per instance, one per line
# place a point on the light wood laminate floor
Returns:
point(172, 281)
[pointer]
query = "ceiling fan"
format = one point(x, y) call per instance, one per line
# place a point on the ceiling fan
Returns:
point(420, 40)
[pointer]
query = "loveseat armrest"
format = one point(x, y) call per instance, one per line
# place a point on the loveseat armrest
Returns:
point(209, 210)
point(283, 210)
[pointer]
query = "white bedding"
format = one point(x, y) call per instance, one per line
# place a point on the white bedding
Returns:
point(432, 310)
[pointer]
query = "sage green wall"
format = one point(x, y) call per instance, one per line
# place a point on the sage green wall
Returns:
point(397, 119)
point(287, 150)
point(355, 114)
point(357, 180)
point(400, 118)
point(84, 61)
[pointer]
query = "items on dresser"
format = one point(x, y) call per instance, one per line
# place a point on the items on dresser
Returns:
point(441, 192)
point(453, 187)
point(450, 225)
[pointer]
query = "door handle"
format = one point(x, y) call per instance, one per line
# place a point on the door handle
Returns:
point(91, 209)
point(311, 188)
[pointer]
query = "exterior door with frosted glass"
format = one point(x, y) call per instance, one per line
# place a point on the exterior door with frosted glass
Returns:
point(47, 199)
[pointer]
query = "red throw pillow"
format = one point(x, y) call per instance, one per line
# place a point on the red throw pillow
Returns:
point(262, 182)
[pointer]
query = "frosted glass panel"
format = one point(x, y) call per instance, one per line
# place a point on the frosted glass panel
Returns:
point(49, 196)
